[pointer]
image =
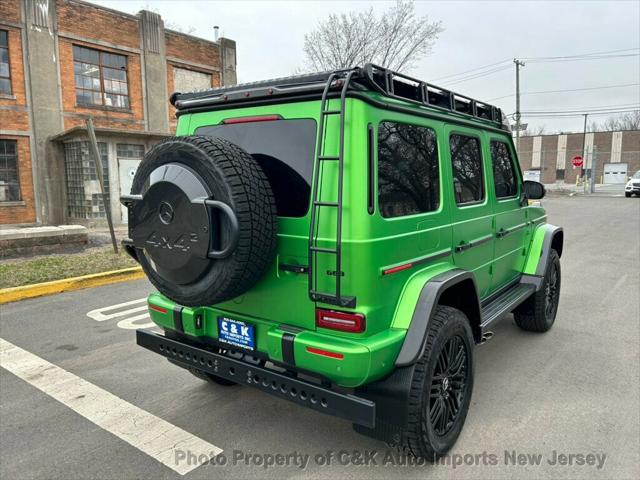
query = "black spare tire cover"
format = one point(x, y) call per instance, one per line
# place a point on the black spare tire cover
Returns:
point(202, 219)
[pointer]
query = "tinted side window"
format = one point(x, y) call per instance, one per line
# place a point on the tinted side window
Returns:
point(504, 175)
point(466, 159)
point(408, 171)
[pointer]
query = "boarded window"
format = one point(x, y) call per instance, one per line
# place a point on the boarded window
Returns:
point(408, 170)
point(187, 80)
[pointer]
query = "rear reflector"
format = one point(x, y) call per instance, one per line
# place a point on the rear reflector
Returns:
point(326, 353)
point(157, 308)
point(263, 118)
point(346, 322)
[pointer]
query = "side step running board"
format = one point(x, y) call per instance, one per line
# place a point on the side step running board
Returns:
point(505, 303)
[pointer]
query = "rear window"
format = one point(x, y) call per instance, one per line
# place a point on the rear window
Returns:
point(284, 149)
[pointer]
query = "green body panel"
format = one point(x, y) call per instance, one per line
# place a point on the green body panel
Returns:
point(540, 231)
point(371, 244)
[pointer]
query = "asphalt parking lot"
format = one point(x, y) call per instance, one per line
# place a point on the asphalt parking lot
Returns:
point(73, 378)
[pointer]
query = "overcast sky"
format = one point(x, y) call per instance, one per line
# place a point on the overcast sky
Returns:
point(270, 35)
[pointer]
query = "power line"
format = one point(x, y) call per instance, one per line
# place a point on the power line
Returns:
point(577, 114)
point(478, 75)
point(472, 70)
point(567, 90)
point(579, 59)
point(582, 54)
point(586, 109)
point(482, 71)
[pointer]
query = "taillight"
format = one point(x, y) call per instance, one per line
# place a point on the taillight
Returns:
point(263, 118)
point(346, 322)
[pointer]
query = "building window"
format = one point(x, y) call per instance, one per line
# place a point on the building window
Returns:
point(504, 173)
point(128, 150)
point(9, 183)
point(101, 78)
point(560, 174)
point(5, 72)
point(466, 160)
point(84, 199)
point(408, 170)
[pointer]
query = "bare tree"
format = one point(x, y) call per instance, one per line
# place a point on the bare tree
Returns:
point(190, 30)
point(534, 132)
point(623, 121)
point(397, 39)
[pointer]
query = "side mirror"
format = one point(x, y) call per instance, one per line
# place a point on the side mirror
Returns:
point(533, 190)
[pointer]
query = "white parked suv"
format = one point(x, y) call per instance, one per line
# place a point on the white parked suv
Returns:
point(633, 185)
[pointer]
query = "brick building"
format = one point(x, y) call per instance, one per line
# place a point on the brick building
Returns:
point(617, 155)
point(64, 60)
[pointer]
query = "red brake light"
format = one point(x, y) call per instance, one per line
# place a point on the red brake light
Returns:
point(263, 118)
point(157, 308)
point(346, 322)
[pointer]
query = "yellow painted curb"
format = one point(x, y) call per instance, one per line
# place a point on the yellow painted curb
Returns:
point(15, 294)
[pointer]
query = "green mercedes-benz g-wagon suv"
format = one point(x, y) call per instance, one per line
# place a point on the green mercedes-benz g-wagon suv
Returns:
point(342, 240)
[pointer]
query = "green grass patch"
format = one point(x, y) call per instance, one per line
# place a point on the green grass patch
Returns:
point(26, 271)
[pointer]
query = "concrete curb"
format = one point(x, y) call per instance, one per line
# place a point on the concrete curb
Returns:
point(15, 294)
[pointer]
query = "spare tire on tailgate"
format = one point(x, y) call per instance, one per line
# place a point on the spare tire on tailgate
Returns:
point(202, 219)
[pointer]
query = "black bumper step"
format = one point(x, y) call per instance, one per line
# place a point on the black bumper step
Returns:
point(352, 408)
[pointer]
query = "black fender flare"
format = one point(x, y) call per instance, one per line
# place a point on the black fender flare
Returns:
point(415, 340)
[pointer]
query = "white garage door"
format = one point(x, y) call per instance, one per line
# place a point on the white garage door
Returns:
point(615, 172)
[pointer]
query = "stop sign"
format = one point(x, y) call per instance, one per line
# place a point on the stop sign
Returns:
point(577, 161)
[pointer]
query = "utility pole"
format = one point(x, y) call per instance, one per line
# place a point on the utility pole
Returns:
point(584, 154)
point(518, 65)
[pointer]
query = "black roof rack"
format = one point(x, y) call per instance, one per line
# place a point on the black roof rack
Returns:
point(368, 78)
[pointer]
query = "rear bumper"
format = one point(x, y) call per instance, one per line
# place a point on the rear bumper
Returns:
point(322, 399)
point(357, 361)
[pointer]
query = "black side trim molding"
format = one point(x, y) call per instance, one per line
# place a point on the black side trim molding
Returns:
point(506, 231)
point(473, 243)
point(418, 261)
point(287, 348)
point(177, 318)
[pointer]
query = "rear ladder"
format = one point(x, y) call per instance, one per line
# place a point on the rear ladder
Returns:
point(340, 78)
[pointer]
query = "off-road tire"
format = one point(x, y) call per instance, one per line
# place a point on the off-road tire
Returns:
point(627, 194)
point(237, 180)
point(533, 315)
point(421, 438)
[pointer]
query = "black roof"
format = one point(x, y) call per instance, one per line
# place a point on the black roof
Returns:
point(368, 78)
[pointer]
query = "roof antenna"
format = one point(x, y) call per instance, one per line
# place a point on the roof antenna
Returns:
point(216, 29)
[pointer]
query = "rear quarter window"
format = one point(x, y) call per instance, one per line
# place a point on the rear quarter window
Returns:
point(284, 149)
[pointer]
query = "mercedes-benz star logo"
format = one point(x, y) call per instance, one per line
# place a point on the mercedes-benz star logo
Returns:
point(165, 212)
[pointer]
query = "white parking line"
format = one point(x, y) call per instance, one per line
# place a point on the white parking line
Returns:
point(116, 311)
point(144, 431)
